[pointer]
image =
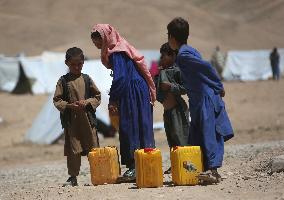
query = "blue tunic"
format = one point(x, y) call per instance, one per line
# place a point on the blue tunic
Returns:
point(210, 125)
point(131, 92)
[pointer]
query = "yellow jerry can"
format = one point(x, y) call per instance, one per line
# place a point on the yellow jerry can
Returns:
point(186, 164)
point(148, 166)
point(104, 165)
point(114, 120)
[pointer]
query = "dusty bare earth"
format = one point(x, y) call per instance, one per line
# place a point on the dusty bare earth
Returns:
point(30, 171)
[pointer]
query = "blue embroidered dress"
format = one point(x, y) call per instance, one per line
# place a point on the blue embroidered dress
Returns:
point(130, 90)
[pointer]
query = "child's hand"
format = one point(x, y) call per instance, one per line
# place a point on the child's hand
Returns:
point(222, 93)
point(82, 103)
point(160, 67)
point(165, 86)
point(73, 106)
point(113, 108)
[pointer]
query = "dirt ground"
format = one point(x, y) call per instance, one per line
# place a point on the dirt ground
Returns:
point(30, 171)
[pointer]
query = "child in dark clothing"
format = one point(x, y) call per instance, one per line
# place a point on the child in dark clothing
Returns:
point(169, 90)
point(77, 97)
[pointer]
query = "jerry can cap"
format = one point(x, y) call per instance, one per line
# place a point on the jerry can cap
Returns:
point(175, 148)
point(147, 150)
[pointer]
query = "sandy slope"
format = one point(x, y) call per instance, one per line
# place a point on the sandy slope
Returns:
point(32, 26)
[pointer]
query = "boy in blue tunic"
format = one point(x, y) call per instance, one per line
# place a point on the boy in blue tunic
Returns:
point(169, 90)
point(210, 126)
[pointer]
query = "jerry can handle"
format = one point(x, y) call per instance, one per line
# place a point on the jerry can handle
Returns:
point(112, 146)
point(118, 160)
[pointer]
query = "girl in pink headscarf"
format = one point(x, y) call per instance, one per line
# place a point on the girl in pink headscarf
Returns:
point(131, 93)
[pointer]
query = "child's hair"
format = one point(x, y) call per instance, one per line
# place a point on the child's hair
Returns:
point(96, 34)
point(73, 52)
point(165, 48)
point(179, 29)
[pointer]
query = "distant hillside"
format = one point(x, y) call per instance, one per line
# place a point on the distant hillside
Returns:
point(32, 26)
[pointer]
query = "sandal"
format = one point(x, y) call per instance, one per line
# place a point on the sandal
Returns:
point(71, 181)
point(209, 177)
point(128, 176)
point(168, 171)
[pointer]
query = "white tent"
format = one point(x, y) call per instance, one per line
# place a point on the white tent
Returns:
point(9, 73)
point(43, 71)
point(150, 55)
point(250, 65)
point(46, 127)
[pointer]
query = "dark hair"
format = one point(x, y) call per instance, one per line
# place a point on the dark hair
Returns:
point(179, 29)
point(96, 34)
point(73, 52)
point(165, 48)
point(275, 49)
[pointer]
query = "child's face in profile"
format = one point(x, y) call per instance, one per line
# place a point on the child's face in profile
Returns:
point(172, 42)
point(75, 65)
point(98, 42)
point(166, 60)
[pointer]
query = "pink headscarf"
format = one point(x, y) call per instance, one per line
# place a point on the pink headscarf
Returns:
point(113, 42)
